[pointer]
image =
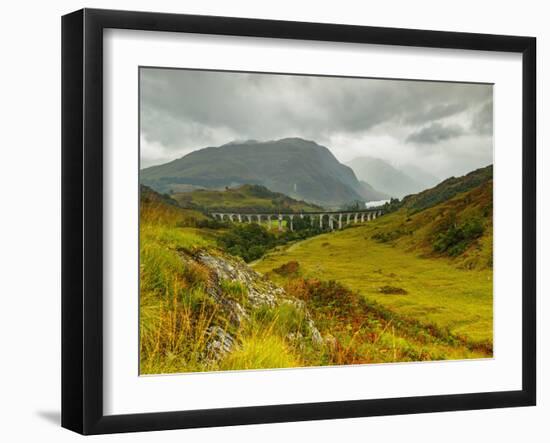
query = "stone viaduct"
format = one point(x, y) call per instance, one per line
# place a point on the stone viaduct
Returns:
point(334, 220)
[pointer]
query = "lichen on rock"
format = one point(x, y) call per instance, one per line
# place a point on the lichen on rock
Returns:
point(261, 293)
point(220, 343)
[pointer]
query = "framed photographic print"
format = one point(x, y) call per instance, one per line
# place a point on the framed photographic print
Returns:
point(269, 221)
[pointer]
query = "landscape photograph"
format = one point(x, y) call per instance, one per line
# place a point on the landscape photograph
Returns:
point(292, 221)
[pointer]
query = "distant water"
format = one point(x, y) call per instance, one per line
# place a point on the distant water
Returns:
point(375, 203)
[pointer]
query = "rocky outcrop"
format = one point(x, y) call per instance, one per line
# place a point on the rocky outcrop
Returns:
point(259, 293)
point(220, 343)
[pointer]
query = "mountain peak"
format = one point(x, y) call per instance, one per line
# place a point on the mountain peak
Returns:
point(250, 141)
point(298, 140)
point(285, 140)
point(299, 168)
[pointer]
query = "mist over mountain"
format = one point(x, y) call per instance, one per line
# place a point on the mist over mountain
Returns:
point(371, 194)
point(426, 179)
point(388, 179)
point(299, 168)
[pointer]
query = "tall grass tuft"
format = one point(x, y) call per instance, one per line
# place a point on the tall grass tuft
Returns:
point(175, 311)
point(261, 349)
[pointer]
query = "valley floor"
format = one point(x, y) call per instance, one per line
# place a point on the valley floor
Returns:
point(431, 291)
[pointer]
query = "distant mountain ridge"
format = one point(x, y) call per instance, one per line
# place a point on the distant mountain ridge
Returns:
point(390, 180)
point(301, 169)
point(447, 189)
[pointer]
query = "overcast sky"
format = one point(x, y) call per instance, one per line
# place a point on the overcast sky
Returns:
point(445, 128)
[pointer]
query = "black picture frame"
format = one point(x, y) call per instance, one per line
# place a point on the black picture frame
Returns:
point(82, 218)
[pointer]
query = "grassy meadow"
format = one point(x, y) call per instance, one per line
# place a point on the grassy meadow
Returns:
point(431, 291)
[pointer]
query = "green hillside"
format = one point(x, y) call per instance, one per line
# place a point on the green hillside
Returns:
point(245, 198)
point(447, 189)
point(162, 210)
point(460, 229)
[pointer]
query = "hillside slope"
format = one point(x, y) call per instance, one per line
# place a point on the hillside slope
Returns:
point(245, 198)
point(447, 189)
point(460, 228)
point(298, 168)
point(161, 209)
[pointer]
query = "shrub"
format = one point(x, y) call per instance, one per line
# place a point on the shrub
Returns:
point(393, 205)
point(196, 274)
point(248, 241)
point(251, 241)
point(212, 224)
point(326, 297)
point(455, 239)
point(384, 237)
point(288, 269)
point(388, 236)
point(392, 290)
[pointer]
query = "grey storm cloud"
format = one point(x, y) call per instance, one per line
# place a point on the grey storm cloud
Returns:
point(184, 110)
point(435, 133)
point(482, 122)
point(436, 112)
